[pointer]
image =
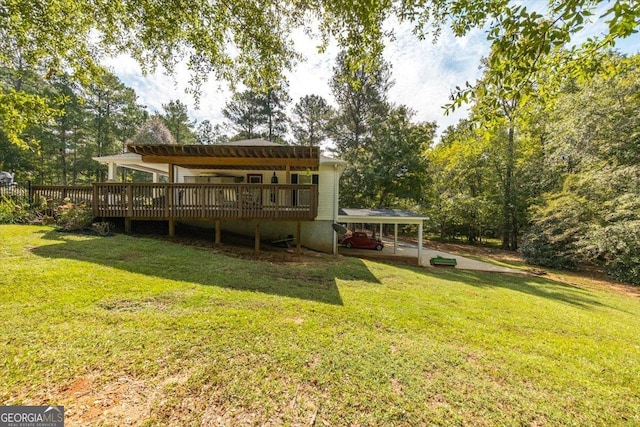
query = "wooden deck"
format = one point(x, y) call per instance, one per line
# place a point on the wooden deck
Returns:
point(142, 201)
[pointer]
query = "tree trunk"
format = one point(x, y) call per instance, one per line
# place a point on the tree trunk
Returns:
point(508, 207)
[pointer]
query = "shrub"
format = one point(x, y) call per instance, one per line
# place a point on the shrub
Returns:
point(14, 211)
point(618, 245)
point(538, 249)
point(102, 228)
point(73, 216)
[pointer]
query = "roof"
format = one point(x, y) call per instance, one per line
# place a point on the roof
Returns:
point(384, 216)
point(133, 161)
point(247, 154)
point(119, 158)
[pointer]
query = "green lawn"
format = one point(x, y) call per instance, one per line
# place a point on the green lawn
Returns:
point(143, 331)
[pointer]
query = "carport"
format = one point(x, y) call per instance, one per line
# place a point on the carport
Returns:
point(385, 216)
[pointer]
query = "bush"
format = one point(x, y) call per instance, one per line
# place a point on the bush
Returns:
point(618, 245)
point(538, 249)
point(102, 228)
point(14, 211)
point(73, 216)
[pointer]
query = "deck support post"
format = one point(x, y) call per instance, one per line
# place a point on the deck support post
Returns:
point(172, 228)
point(218, 232)
point(127, 225)
point(299, 238)
point(257, 243)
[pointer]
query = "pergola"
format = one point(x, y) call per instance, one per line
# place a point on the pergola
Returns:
point(385, 216)
point(249, 155)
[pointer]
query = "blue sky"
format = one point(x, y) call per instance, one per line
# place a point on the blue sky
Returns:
point(424, 73)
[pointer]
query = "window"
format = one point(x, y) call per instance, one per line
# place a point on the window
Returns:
point(303, 197)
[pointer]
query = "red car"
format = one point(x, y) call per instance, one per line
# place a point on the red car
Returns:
point(361, 240)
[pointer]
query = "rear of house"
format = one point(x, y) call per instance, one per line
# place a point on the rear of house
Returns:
point(251, 187)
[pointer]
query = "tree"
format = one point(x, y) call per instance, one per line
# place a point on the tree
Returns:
point(251, 42)
point(311, 117)
point(274, 101)
point(176, 119)
point(464, 199)
point(259, 114)
point(362, 104)
point(115, 116)
point(384, 149)
point(246, 114)
point(207, 134)
point(398, 161)
point(593, 215)
point(153, 131)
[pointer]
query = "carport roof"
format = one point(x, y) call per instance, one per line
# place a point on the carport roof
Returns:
point(380, 216)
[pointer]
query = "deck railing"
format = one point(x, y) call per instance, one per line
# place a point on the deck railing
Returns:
point(206, 201)
point(56, 194)
point(185, 201)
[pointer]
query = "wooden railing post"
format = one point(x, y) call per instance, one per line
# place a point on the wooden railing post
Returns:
point(129, 200)
point(94, 199)
point(201, 201)
point(168, 197)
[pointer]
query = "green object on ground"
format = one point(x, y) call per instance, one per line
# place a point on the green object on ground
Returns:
point(442, 261)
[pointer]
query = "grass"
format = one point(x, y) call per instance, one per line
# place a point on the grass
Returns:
point(124, 330)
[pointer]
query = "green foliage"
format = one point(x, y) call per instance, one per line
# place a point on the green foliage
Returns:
point(553, 239)
point(85, 121)
point(176, 119)
point(20, 110)
point(259, 113)
point(311, 117)
point(251, 42)
point(592, 146)
point(14, 210)
point(206, 133)
point(617, 245)
point(73, 216)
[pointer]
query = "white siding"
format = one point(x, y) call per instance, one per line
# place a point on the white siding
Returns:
point(327, 199)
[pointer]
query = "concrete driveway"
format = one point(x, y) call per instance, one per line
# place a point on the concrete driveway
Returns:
point(411, 250)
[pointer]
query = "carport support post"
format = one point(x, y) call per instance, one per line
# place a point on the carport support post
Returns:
point(420, 243)
point(395, 238)
point(111, 176)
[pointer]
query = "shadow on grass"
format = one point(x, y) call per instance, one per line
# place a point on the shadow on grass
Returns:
point(536, 286)
point(313, 281)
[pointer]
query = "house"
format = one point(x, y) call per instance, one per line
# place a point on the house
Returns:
point(252, 187)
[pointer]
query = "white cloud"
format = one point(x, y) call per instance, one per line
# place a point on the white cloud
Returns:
point(425, 73)
point(158, 88)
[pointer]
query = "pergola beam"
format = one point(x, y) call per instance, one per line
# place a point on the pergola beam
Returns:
point(225, 162)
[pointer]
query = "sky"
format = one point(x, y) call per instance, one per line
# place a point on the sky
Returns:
point(424, 72)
